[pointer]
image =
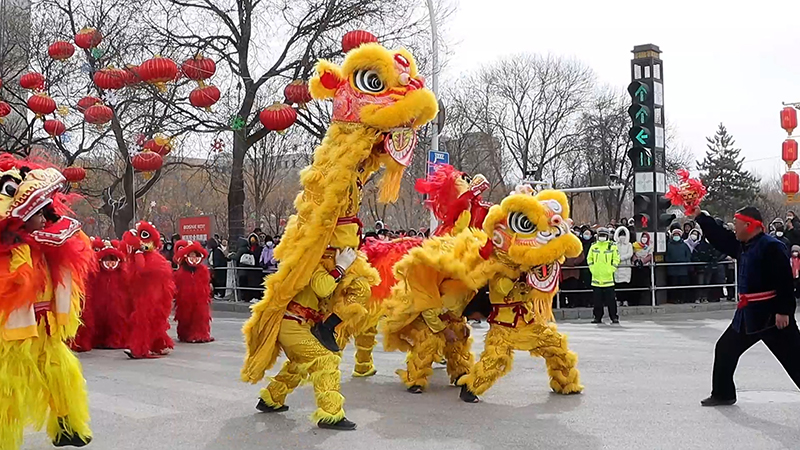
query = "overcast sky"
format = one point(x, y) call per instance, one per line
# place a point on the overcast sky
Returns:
point(721, 63)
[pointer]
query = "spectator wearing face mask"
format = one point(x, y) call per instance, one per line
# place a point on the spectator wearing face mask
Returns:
point(778, 232)
point(603, 260)
point(678, 274)
point(694, 239)
point(795, 261)
point(268, 262)
point(587, 239)
point(711, 273)
point(622, 277)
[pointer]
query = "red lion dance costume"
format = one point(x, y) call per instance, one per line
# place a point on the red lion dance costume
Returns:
point(107, 306)
point(193, 297)
point(44, 262)
point(151, 274)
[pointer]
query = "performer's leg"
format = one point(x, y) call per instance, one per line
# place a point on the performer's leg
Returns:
point(19, 399)
point(495, 361)
point(458, 354)
point(560, 360)
point(68, 423)
point(322, 367)
point(729, 348)
point(427, 345)
point(273, 397)
point(785, 345)
point(365, 342)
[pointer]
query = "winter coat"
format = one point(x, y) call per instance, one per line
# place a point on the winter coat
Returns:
point(603, 260)
point(678, 252)
point(705, 252)
point(218, 257)
point(625, 250)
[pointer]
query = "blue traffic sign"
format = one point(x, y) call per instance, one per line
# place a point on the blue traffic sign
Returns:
point(436, 158)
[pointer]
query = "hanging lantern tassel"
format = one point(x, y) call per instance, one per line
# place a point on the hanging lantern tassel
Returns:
point(148, 175)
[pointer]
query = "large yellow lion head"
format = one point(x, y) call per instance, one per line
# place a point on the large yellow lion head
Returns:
point(532, 231)
point(381, 89)
point(25, 192)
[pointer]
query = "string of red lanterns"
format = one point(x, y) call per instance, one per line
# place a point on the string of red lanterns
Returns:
point(790, 180)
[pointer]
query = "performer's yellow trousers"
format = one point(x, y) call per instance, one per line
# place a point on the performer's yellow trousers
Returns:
point(365, 342)
point(307, 358)
point(539, 340)
point(41, 382)
point(428, 347)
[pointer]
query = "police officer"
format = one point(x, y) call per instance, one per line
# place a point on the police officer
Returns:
point(766, 301)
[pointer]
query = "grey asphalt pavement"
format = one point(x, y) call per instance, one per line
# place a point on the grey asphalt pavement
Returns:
point(644, 380)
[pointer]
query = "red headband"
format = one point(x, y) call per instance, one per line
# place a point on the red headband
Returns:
point(752, 223)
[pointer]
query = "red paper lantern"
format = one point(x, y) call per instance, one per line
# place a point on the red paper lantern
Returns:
point(61, 50)
point(54, 127)
point(158, 71)
point(5, 110)
point(789, 153)
point(147, 162)
point(74, 174)
point(354, 39)
point(110, 78)
point(278, 117)
point(159, 144)
point(88, 38)
point(204, 97)
point(297, 92)
point(199, 68)
point(791, 183)
point(41, 104)
point(33, 81)
point(86, 102)
point(789, 119)
point(98, 114)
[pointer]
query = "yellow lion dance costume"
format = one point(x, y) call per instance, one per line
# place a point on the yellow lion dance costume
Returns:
point(378, 102)
point(520, 263)
point(44, 261)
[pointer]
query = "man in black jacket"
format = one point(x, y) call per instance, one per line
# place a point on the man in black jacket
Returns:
point(766, 301)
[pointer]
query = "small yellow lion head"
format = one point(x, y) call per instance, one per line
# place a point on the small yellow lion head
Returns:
point(381, 89)
point(534, 232)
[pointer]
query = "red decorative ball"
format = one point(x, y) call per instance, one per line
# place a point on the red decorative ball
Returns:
point(355, 38)
point(86, 102)
point(98, 114)
point(74, 174)
point(278, 117)
point(33, 81)
point(41, 104)
point(110, 78)
point(147, 161)
point(5, 110)
point(199, 68)
point(158, 70)
point(204, 97)
point(297, 92)
point(61, 50)
point(88, 38)
point(54, 127)
point(791, 183)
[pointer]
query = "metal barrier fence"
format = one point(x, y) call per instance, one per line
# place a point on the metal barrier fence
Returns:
point(234, 292)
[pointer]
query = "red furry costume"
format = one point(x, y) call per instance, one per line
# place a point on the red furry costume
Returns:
point(152, 290)
point(450, 193)
point(107, 305)
point(193, 295)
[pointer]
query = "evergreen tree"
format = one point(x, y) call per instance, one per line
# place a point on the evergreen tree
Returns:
point(729, 186)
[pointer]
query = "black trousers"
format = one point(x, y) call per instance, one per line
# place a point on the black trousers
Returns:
point(605, 296)
point(219, 281)
point(784, 344)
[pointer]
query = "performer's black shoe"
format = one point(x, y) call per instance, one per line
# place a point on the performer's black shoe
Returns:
point(597, 321)
point(415, 389)
point(714, 401)
point(66, 439)
point(342, 425)
point(265, 408)
point(326, 336)
point(467, 395)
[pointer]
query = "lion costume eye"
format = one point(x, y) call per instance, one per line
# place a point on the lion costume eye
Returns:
point(520, 223)
point(9, 188)
point(368, 81)
point(145, 234)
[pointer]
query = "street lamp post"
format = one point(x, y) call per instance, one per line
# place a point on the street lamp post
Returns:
point(435, 88)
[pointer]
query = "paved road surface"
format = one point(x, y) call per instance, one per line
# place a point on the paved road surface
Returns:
point(643, 383)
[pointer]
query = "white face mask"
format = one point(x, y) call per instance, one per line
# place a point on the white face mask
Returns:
point(587, 236)
point(269, 244)
point(602, 238)
point(694, 237)
point(779, 233)
point(676, 238)
point(795, 254)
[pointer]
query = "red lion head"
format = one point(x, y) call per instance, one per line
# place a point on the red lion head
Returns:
point(108, 254)
point(190, 253)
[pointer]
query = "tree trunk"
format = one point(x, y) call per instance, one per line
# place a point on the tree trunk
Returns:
point(236, 194)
